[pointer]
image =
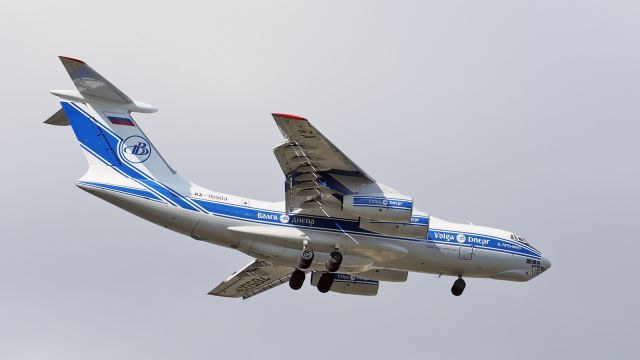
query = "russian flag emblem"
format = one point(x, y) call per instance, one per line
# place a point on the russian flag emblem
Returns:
point(120, 120)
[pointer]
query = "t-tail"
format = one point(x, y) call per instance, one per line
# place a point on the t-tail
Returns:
point(121, 157)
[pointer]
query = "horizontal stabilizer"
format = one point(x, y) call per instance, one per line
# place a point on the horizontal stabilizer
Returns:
point(58, 119)
point(93, 87)
point(89, 82)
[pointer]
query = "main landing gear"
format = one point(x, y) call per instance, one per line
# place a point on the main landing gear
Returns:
point(458, 286)
point(332, 265)
point(334, 261)
point(297, 279)
point(305, 259)
point(325, 282)
point(304, 262)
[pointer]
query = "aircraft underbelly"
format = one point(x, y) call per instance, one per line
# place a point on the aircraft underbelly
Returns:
point(176, 219)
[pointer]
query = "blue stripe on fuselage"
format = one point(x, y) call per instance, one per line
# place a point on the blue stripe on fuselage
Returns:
point(122, 189)
point(244, 213)
point(478, 241)
point(102, 143)
point(278, 218)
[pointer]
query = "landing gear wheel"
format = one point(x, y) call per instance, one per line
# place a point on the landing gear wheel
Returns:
point(334, 262)
point(458, 287)
point(325, 282)
point(297, 279)
point(305, 259)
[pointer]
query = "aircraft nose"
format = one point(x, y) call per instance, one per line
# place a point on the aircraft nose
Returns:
point(545, 263)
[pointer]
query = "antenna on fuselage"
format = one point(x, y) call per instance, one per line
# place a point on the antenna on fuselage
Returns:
point(349, 236)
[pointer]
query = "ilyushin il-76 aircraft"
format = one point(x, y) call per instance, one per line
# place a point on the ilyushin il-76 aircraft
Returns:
point(337, 224)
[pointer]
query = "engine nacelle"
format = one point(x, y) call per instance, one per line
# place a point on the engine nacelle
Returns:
point(349, 284)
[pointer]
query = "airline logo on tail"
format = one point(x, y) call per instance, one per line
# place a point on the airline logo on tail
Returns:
point(135, 149)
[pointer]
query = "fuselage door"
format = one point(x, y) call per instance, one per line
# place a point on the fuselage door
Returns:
point(465, 251)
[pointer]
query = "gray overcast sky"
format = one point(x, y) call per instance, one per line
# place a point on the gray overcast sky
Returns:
point(521, 115)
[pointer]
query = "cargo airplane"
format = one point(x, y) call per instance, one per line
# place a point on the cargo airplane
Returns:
point(337, 224)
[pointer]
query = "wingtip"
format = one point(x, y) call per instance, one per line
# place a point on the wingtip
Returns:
point(72, 59)
point(288, 116)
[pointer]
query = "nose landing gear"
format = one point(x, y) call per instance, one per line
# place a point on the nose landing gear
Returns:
point(458, 286)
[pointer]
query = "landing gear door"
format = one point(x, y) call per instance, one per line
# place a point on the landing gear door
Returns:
point(465, 252)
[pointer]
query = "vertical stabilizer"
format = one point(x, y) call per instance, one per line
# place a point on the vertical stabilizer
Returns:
point(100, 115)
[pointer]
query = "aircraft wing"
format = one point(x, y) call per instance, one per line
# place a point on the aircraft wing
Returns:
point(258, 276)
point(317, 173)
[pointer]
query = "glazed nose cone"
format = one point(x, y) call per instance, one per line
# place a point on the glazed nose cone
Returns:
point(545, 263)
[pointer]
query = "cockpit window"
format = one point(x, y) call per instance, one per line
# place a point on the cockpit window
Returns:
point(519, 239)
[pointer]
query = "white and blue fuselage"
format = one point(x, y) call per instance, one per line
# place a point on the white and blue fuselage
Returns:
point(449, 248)
point(127, 171)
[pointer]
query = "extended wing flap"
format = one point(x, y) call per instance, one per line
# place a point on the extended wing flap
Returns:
point(317, 173)
point(255, 278)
